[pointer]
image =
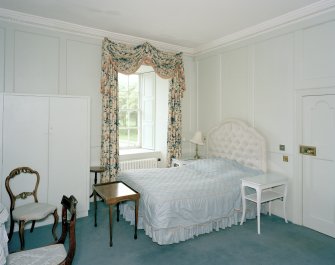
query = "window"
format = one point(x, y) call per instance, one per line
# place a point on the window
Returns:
point(129, 111)
point(137, 110)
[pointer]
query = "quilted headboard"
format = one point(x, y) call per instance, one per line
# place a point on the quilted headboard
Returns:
point(235, 140)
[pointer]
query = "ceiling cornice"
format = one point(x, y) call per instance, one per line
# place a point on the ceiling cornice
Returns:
point(267, 26)
point(48, 23)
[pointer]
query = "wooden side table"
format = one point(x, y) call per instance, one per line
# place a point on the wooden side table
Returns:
point(96, 170)
point(263, 184)
point(113, 193)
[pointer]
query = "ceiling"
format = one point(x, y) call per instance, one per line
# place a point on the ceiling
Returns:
point(186, 23)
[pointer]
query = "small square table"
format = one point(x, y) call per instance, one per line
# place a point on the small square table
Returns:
point(113, 193)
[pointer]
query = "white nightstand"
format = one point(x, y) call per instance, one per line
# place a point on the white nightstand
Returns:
point(263, 185)
point(180, 162)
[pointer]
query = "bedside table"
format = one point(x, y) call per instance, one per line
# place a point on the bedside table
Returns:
point(263, 185)
point(180, 162)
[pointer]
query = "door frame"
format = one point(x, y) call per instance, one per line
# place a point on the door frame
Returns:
point(298, 172)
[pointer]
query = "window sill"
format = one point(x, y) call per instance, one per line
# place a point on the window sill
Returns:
point(138, 153)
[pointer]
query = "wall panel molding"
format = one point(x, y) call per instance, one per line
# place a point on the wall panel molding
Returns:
point(2, 59)
point(318, 56)
point(36, 63)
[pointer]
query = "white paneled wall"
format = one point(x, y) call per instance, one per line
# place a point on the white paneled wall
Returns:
point(45, 61)
point(235, 73)
point(2, 59)
point(273, 90)
point(318, 55)
point(261, 80)
point(209, 92)
point(36, 60)
point(36, 63)
point(83, 78)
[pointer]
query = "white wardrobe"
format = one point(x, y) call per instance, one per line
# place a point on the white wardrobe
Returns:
point(51, 135)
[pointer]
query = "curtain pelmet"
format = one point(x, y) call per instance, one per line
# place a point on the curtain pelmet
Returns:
point(126, 59)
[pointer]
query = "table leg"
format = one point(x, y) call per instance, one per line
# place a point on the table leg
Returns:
point(117, 211)
point(136, 218)
point(110, 225)
point(95, 207)
point(259, 193)
point(243, 204)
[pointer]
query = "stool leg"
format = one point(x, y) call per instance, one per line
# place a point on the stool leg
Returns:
point(244, 205)
point(95, 177)
point(95, 181)
point(95, 207)
point(258, 211)
point(284, 202)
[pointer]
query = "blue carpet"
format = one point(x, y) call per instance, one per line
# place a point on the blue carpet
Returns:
point(279, 243)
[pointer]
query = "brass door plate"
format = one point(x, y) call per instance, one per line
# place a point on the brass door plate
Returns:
point(285, 158)
point(308, 150)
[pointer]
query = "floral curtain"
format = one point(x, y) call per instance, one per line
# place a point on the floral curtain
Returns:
point(126, 59)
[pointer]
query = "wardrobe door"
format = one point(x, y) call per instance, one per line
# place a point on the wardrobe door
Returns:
point(2, 180)
point(25, 141)
point(69, 150)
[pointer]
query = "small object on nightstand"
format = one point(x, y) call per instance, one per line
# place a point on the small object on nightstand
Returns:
point(263, 184)
point(197, 140)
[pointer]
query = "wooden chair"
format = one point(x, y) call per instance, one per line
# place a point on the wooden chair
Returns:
point(54, 254)
point(34, 211)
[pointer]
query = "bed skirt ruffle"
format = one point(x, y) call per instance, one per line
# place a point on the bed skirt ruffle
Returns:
point(172, 235)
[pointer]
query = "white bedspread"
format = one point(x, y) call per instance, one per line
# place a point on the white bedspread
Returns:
point(182, 202)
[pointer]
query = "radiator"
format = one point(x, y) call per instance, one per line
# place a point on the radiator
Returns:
point(138, 164)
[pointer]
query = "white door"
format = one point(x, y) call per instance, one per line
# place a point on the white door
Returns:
point(25, 142)
point(2, 181)
point(69, 145)
point(319, 170)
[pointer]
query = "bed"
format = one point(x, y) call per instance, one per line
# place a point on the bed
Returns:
point(180, 203)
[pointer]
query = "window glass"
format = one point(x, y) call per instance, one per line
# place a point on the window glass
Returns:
point(129, 98)
point(133, 137)
point(133, 119)
point(123, 118)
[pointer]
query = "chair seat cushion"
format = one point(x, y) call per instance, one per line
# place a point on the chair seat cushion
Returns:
point(32, 211)
point(49, 255)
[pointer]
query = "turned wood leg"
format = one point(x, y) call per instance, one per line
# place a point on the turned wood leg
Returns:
point(11, 229)
point(32, 226)
point(55, 214)
point(21, 233)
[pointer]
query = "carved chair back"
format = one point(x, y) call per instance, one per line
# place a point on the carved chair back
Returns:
point(23, 195)
point(68, 225)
